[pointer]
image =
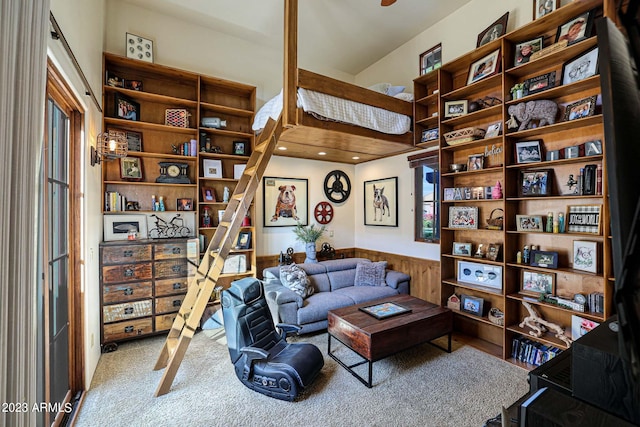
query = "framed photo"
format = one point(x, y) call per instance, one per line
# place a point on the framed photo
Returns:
point(139, 48)
point(539, 83)
point(581, 67)
point(244, 240)
point(134, 140)
point(381, 202)
point(529, 223)
point(484, 67)
point(114, 80)
point(544, 7)
point(493, 130)
point(385, 309)
point(493, 251)
point(133, 85)
point(535, 183)
point(495, 31)
point(286, 201)
point(238, 170)
point(535, 283)
point(429, 135)
point(431, 59)
point(580, 109)
point(525, 49)
point(480, 274)
point(240, 148)
point(117, 227)
point(585, 256)
point(465, 217)
point(546, 259)
point(593, 148)
point(472, 305)
point(577, 29)
point(184, 204)
point(580, 326)
point(212, 168)
point(131, 168)
point(475, 162)
point(528, 151)
point(455, 108)
point(126, 108)
point(461, 249)
point(208, 195)
point(583, 219)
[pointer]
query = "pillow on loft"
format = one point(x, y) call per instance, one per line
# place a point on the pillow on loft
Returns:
point(394, 90)
point(405, 96)
point(387, 89)
point(370, 274)
point(295, 278)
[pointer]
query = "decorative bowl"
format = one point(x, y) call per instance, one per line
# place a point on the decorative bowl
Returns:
point(457, 167)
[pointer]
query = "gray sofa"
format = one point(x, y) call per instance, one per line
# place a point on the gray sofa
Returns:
point(333, 283)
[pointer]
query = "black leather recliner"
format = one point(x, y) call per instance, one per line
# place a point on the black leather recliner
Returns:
point(263, 360)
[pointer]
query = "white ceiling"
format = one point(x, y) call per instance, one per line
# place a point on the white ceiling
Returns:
point(347, 35)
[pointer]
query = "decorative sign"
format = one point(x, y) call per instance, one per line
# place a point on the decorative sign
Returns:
point(584, 219)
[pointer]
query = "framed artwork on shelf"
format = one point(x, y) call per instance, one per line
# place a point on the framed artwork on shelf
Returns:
point(131, 168)
point(493, 130)
point(286, 201)
point(184, 204)
point(211, 168)
point(494, 31)
point(429, 135)
point(455, 108)
point(525, 49)
point(528, 151)
point(581, 67)
point(431, 59)
point(583, 219)
point(585, 256)
point(238, 170)
point(244, 240)
point(208, 194)
point(114, 80)
point(139, 48)
point(493, 251)
point(575, 30)
point(461, 249)
point(125, 108)
point(544, 7)
point(535, 283)
point(534, 183)
point(240, 148)
point(133, 85)
point(475, 162)
point(546, 259)
point(381, 202)
point(472, 305)
point(484, 67)
point(529, 223)
point(134, 140)
point(480, 274)
point(117, 227)
point(580, 109)
point(464, 217)
point(539, 83)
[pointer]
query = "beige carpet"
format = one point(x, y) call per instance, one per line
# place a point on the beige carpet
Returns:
point(423, 386)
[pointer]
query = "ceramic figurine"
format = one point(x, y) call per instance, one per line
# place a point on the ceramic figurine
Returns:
point(496, 192)
point(225, 195)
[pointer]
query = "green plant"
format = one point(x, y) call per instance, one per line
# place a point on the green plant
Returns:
point(308, 233)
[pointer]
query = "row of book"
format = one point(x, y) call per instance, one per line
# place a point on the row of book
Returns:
point(590, 180)
point(532, 352)
point(114, 201)
point(595, 301)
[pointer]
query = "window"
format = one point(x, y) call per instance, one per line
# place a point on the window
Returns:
point(431, 59)
point(427, 196)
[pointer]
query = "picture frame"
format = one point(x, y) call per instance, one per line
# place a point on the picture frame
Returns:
point(484, 67)
point(463, 217)
point(208, 194)
point(117, 227)
point(238, 170)
point(125, 108)
point(536, 283)
point(580, 109)
point(212, 168)
point(494, 31)
point(539, 83)
point(544, 7)
point(476, 273)
point(461, 249)
point(380, 196)
point(493, 251)
point(131, 168)
point(576, 29)
point(184, 204)
point(584, 219)
point(133, 85)
point(475, 162)
point(535, 183)
point(385, 310)
point(240, 148)
point(580, 67)
point(493, 130)
point(138, 47)
point(593, 148)
point(244, 240)
point(545, 259)
point(529, 223)
point(472, 305)
point(286, 201)
point(455, 108)
point(528, 151)
point(134, 140)
point(113, 80)
point(585, 256)
point(430, 135)
point(431, 59)
point(524, 50)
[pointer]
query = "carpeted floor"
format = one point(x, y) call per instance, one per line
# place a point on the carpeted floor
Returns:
point(423, 386)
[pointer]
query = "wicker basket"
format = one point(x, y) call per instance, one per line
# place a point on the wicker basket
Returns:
point(496, 316)
point(464, 135)
point(178, 117)
point(496, 219)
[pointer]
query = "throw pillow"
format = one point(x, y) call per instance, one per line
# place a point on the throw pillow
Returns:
point(370, 274)
point(295, 278)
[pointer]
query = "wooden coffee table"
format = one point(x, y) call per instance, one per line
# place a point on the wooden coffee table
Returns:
point(374, 339)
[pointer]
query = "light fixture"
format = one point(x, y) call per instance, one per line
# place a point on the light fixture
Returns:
point(322, 153)
point(110, 145)
point(282, 148)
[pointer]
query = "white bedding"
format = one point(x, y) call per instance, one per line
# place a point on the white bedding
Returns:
point(338, 109)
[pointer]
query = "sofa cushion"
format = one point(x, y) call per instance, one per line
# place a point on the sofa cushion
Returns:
point(342, 272)
point(315, 307)
point(295, 278)
point(366, 293)
point(370, 274)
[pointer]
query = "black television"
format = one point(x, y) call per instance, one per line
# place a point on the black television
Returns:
point(619, 54)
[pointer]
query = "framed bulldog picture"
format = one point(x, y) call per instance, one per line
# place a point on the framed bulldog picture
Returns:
point(286, 201)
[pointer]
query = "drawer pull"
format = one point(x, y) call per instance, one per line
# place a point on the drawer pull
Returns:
point(129, 272)
point(128, 310)
point(176, 268)
point(177, 302)
point(177, 286)
point(128, 329)
point(176, 251)
point(128, 291)
point(127, 253)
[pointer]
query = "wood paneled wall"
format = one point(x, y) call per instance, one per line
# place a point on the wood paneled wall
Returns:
point(425, 274)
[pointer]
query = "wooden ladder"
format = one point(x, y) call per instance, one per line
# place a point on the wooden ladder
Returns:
point(202, 283)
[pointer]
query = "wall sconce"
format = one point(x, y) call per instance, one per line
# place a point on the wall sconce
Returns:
point(110, 145)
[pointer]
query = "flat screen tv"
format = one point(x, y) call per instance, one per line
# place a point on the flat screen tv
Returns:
point(618, 59)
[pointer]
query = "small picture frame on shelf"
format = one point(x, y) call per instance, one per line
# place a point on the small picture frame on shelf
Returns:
point(525, 49)
point(238, 170)
point(545, 259)
point(133, 85)
point(539, 83)
point(472, 305)
point(240, 148)
point(208, 195)
point(593, 148)
point(480, 274)
point(429, 135)
point(244, 240)
point(493, 130)
point(585, 256)
point(581, 67)
point(584, 219)
point(528, 151)
point(211, 168)
point(529, 223)
point(580, 109)
point(536, 283)
point(494, 31)
point(126, 108)
point(464, 217)
point(475, 162)
point(184, 204)
point(575, 30)
point(114, 80)
point(134, 140)
point(493, 251)
point(131, 168)
point(535, 183)
point(455, 108)
point(484, 67)
point(544, 7)
point(461, 249)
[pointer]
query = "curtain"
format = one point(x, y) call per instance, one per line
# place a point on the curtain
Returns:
point(24, 26)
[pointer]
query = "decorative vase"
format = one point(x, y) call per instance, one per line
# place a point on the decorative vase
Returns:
point(310, 250)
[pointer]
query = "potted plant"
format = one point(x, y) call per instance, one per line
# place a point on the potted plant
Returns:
point(308, 235)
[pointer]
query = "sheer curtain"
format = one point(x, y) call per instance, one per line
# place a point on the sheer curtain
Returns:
point(24, 25)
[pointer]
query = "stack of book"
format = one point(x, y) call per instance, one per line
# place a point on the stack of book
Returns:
point(114, 202)
point(532, 352)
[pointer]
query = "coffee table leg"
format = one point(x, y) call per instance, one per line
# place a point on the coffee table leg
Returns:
point(448, 349)
point(369, 382)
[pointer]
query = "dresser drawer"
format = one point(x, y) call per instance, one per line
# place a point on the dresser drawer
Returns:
point(165, 321)
point(169, 304)
point(171, 286)
point(174, 268)
point(126, 253)
point(127, 272)
point(171, 250)
point(128, 310)
point(127, 329)
point(126, 292)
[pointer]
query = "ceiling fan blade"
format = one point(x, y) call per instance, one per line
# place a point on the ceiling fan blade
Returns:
point(387, 2)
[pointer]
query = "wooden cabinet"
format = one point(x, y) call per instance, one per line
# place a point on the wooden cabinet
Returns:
point(143, 284)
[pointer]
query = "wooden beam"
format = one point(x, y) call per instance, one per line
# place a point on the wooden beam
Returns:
point(290, 62)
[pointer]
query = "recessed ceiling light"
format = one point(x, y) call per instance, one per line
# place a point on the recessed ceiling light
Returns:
point(356, 158)
point(322, 153)
point(282, 148)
